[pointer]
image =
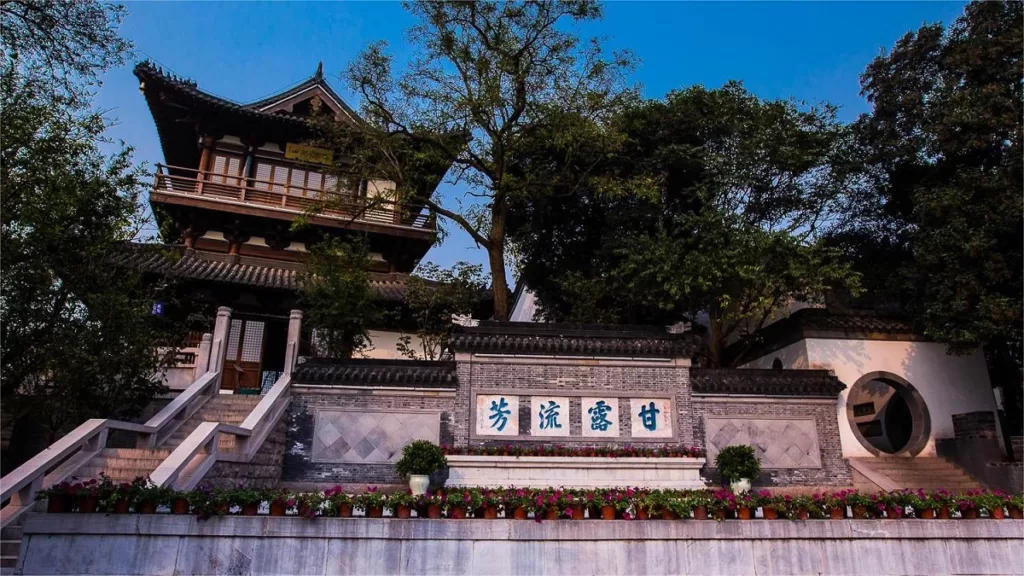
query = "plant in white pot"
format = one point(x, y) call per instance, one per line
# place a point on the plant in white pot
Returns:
point(738, 466)
point(420, 459)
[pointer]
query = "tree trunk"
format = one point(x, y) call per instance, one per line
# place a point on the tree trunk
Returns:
point(499, 283)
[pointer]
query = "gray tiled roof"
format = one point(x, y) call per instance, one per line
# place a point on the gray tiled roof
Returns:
point(765, 382)
point(371, 372)
point(572, 340)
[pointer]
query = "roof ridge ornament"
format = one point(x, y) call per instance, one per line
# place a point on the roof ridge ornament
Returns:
point(319, 76)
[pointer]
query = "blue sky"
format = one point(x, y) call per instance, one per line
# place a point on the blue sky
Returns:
point(809, 51)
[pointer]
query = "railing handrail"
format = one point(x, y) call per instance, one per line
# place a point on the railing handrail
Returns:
point(25, 480)
point(348, 201)
point(203, 441)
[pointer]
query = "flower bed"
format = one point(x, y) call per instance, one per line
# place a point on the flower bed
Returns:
point(140, 496)
point(667, 451)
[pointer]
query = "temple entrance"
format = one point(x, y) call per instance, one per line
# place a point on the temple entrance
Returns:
point(887, 415)
point(255, 354)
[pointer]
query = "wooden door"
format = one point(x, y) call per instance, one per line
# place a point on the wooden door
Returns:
point(242, 364)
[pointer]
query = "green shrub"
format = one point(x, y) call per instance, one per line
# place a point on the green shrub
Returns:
point(736, 462)
point(421, 457)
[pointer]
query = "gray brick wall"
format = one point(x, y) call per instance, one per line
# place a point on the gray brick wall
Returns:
point(537, 374)
point(264, 471)
point(297, 465)
point(834, 470)
point(971, 425)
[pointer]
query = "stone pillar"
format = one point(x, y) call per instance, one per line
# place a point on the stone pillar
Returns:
point(203, 357)
point(291, 353)
point(221, 329)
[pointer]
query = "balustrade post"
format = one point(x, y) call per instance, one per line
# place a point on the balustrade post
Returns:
point(203, 356)
point(221, 328)
point(27, 495)
point(294, 334)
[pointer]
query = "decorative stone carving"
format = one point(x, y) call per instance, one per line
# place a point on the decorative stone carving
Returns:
point(369, 437)
point(778, 443)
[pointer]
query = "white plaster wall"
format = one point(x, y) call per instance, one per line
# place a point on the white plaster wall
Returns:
point(385, 345)
point(948, 384)
point(793, 357)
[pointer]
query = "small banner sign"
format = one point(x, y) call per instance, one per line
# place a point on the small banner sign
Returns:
point(310, 154)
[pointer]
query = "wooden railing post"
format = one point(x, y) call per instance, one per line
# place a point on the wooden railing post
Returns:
point(203, 356)
point(294, 333)
point(221, 329)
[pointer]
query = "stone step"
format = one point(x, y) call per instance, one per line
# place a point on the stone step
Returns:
point(118, 474)
point(9, 562)
point(9, 547)
point(12, 532)
point(233, 400)
point(135, 453)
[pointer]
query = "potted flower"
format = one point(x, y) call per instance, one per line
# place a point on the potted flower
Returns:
point(700, 501)
point(59, 497)
point(280, 501)
point(746, 503)
point(433, 505)
point(738, 465)
point(337, 502)
point(1015, 506)
point(87, 495)
point(247, 499)
point(309, 504)
point(858, 503)
point(400, 504)
point(774, 506)
point(420, 459)
point(990, 503)
point(492, 502)
point(968, 509)
point(371, 502)
point(179, 502)
point(833, 504)
point(800, 507)
point(149, 496)
point(679, 503)
point(517, 503)
point(121, 499)
point(722, 502)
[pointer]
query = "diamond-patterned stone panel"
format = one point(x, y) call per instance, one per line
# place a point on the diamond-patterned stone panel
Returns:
point(341, 436)
point(778, 443)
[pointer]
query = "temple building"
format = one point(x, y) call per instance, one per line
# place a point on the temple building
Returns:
point(236, 177)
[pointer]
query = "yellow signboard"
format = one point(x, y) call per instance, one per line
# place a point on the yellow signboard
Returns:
point(310, 154)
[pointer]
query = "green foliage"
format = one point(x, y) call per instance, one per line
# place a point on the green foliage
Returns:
point(938, 228)
point(77, 336)
point(711, 201)
point(337, 297)
point(483, 76)
point(432, 297)
point(421, 457)
point(737, 462)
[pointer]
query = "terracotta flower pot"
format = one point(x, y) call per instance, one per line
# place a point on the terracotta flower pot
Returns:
point(491, 513)
point(223, 509)
point(718, 514)
point(122, 506)
point(669, 515)
point(770, 513)
point(88, 504)
point(969, 514)
point(433, 511)
point(375, 512)
point(700, 513)
point(836, 513)
point(403, 512)
point(607, 512)
point(519, 513)
point(147, 507)
point(179, 506)
point(943, 513)
point(1016, 513)
point(743, 513)
point(641, 514)
point(345, 510)
point(250, 509)
point(278, 508)
point(996, 513)
point(58, 504)
point(457, 513)
point(924, 513)
point(577, 512)
point(802, 514)
point(552, 514)
point(304, 510)
point(860, 511)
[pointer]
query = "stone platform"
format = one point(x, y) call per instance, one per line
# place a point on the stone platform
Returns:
point(577, 472)
point(163, 544)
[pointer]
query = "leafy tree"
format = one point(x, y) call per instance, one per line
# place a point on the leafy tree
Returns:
point(337, 297)
point(486, 75)
point(940, 229)
point(742, 191)
point(432, 297)
point(78, 336)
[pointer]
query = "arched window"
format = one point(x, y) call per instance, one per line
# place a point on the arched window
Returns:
point(777, 364)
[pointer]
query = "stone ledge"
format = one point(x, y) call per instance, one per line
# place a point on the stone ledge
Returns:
point(523, 530)
point(600, 462)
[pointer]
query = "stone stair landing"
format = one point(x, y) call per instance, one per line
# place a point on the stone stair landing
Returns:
point(925, 472)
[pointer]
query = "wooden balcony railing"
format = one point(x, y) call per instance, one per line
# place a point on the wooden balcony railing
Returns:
point(286, 197)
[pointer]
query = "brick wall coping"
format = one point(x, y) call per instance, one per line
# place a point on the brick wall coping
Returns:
point(373, 372)
point(422, 529)
point(820, 383)
point(572, 340)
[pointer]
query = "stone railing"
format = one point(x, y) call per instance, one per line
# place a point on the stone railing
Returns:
point(64, 457)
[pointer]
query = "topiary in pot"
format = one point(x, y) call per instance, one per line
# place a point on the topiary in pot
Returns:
point(738, 466)
point(420, 459)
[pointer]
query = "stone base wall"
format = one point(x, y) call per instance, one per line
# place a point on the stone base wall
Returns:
point(977, 449)
point(801, 423)
point(325, 461)
point(579, 472)
point(165, 544)
point(264, 471)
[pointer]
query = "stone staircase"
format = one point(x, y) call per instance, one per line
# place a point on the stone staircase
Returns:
point(929, 473)
point(10, 542)
point(125, 464)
